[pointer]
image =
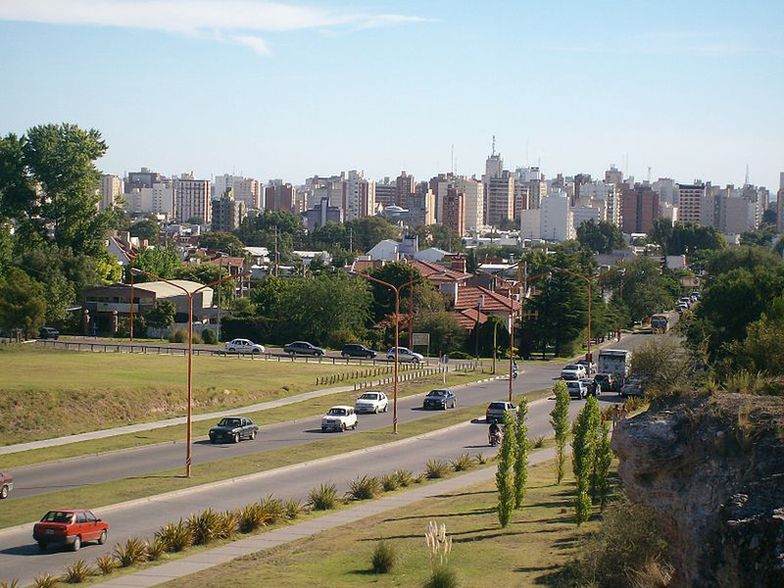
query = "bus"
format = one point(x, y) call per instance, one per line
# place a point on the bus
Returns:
point(615, 361)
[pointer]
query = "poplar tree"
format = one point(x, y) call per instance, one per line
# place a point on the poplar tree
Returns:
point(503, 477)
point(584, 456)
point(521, 453)
point(602, 464)
point(559, 419)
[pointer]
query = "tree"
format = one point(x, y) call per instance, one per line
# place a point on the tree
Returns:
point(560, 313)
point(604, 457)
point(644, 290)
point(601, 237)
point(18, 198)
point(584, 456)
point(146, 230)
point(685, 238)
point(441, 236)
point(22, 302)
point(219, 241)
point(59, 294)
point(161, 316)
point(446, 334)
point(662, 366)
point(762, 351)
point(559, 419)
point(397, 274)
point(521, 453)
point(503, 477)
point(367, 231)
point(162, 262)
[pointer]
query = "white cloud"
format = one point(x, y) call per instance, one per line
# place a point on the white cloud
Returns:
point(228, 20)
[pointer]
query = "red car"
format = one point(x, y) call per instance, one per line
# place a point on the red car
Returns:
point(69, 527)
point(6, 484)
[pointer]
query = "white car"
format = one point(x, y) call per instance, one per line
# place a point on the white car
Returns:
point(577, 389)
point(404, 354)
point(339, 418)
point(573, 371)
point(244, 346)
point(372, 401)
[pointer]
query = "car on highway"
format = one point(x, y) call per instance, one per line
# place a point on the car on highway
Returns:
point(440, 399)
point(405, 354)
point(497, 409)
point(303, 348)
point(372, 401)
point(632, 387)
point(339, 418)
point(573, 371)
point(71, 527)
point(48, 333)
point(243, 346)
point(233, 429)
point(357, 350)
point(607, 382)
point(6, 484)
point(576, 389)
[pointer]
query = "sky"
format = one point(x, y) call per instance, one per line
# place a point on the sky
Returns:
point(690, 88)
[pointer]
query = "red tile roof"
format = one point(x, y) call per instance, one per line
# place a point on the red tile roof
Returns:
point(438, 273)
point(470, 296)
point(467, 318)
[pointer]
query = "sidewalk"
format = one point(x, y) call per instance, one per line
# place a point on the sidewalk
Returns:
point(213, 557)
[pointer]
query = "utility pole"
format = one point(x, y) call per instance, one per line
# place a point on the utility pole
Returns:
point(276, 259)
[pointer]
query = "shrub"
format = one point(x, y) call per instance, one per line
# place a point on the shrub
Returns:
point(273, 509)
point(292, 509)
point(653, 574)
point(389, 482)
point(204, 526)
point(227, 524)
point(132, 552)
point(78, 572)
point(538, 442)
point(633, 404)
point(197, 339)
point(404, 478)
point(383, 559)
point(462, 462)
point(155, 549)
point(175, 537)
point(323, 497)
point(12, 584)
point(251, 517)
point(178, 336)
point(363, 488)
point(480, 459)
point(45, 581)
point(208, 336)
point(435, 468)
point(442, 577)
point(106, 564)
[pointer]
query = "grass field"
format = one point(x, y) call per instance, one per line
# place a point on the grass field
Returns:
point(531, 551)
point(293, 411)
point(47, 393)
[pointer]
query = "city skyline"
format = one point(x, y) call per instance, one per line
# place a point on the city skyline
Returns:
point(283, 90)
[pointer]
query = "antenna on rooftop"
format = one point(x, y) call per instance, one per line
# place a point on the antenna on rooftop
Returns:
point(452, 158)
point(649, 174)
point(746, 181)
point(493, 154)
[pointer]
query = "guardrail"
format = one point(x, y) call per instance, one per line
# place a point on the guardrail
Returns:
point(414, 374)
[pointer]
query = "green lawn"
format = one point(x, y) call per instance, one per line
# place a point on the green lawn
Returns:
point(541, 538)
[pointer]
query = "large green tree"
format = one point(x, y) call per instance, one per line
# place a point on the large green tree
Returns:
point(446, 334)
point(685, 238)
point(599, 237)
point(643, 288)
point(146, 229)
point(225, 242)
point(22, 302)
point(441, 236)
point(162, 262)
point(364, 233)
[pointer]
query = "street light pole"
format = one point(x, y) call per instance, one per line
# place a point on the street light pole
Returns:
point(396, 290)
point(130, 328)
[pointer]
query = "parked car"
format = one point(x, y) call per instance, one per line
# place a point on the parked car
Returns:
point(496, 410)
point(339, 418)
point(69, 527)
point(372, 401)
point(607, 382)
point(356, 350)
point(632, 387)
point(440, 398)
point(588, 366)
point(6, 484)
point(303, 348)
point(405, 354)
point(233, 429)
point(48, 333)
point(576, 389)
point(573, 371)
point(244, 346)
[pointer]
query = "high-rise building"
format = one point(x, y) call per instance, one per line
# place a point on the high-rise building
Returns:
point(607, 193)
point(405, 188)
point(323, 213)
point(245, 189)
point(454, 210)
point(691, 199)
point(163, 197)
point(640, 207)
point(499, 191)
point(359, 196)
point(536, 187)
point(111, 187)
point(613, 175)
point(227, 213)
point(386, 193)
point(734, 214)
point(319, 187)
point(555, 217)
point(192, 199)
point(473, 201)
point(667, 191)
point(279, 196)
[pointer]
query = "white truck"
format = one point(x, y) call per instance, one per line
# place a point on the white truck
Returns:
point(617, 362)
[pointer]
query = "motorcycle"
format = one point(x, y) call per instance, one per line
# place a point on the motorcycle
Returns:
point(494, 439)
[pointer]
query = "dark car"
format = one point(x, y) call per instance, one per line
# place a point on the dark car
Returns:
point(607, 382)
point(48, 333)
point(69, 527)
point(233, 429)
point(303, 348)
point(441, 399)
point(357, 350)
point(6, 484)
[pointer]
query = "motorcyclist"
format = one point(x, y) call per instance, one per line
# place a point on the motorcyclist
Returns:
point(494, 432)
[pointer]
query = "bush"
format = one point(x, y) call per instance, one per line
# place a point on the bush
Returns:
point(78, 572)
point(179, 336)
point(480, 459)
point(273, 509)
point(323, 497)
point(538, 442)
point(363, 488)
point(404, 478)
point(383, 559)
point(460, 355)
point(204, 527)
point(132, 552)
point(462, 462)
point(251, 517)
point(292, 509)
point(106, 564)
point(435, 468)
point(633, 404)
point(442, 577)
point(155, 549)
point(12, 584)
point(45, 581)
point(197, 339)
point(209, 337)
point(175, 537)
point(389, 482)
point(227, 524)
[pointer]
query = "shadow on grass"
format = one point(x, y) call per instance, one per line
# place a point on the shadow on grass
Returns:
point(476, 511)
point(477, 493)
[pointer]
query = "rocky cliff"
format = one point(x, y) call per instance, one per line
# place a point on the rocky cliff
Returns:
point(712, 468)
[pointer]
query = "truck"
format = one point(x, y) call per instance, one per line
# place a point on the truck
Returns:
point(617, 362)
point(660, 323)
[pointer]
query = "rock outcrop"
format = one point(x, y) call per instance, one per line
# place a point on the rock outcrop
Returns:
point(712, 468)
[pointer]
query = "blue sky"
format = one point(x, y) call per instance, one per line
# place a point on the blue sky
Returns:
point(691, 88)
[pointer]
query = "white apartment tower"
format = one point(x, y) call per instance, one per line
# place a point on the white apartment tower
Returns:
point(691, 199)
point(192, 199)
point(111, 186)
point(244, 189)
point(556, 217)
point(359, 196)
